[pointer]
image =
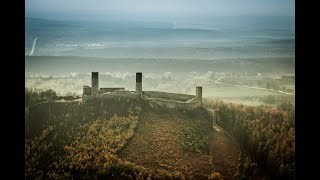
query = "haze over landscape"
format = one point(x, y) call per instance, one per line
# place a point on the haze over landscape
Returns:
point(208, 30)
point(239, 51)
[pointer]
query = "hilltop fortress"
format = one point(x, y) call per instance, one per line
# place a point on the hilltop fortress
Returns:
point(154, 98)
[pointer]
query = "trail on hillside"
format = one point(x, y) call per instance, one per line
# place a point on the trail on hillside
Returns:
point(156, 144)
point(225, 151)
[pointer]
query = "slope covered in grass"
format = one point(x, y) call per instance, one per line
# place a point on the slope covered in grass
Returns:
point(174, 141)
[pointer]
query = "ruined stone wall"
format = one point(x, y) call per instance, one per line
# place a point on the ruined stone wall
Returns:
point(172, 100)
point(172, 104)
point(112, 95)
point(162, 99)
point(105, 90)
point(168, 96)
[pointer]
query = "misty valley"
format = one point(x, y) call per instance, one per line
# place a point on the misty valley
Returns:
point(126, 95)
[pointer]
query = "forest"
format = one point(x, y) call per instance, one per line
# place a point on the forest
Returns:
point(266, 136)
point(68, 146)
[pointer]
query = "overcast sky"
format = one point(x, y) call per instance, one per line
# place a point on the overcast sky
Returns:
point(162, 7)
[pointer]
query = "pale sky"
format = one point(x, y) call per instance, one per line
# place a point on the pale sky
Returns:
point(162, 7)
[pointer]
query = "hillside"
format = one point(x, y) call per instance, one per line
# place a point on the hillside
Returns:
point(127, 138)
point(174, 141)
point(162, 142)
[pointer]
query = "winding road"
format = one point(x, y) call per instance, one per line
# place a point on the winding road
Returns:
point(33, 46)
point(252, 87)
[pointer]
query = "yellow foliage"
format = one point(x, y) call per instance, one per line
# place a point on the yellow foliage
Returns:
point(215, 176)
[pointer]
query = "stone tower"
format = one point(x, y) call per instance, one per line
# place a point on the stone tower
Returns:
point(139, 83)
point(86, 91)
point(94, 83)
point(199, 94)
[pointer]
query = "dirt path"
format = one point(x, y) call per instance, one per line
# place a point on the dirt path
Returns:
point(225, 152)
point(156, 144)
point(225, 155)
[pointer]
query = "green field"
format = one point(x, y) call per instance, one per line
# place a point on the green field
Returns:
point(240, 95)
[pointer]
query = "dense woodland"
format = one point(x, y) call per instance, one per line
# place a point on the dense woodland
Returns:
point(265, 134)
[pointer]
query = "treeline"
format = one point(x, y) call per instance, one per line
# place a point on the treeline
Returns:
point(287, 78)
point(283, 102)
point(266, 136)
point(35, 96)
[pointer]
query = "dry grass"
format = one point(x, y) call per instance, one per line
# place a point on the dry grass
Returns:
point(158, 142)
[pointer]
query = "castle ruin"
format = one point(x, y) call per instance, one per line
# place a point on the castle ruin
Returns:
point(139, 83)
point(94, 83)
point(163, 99)
point(199, 93)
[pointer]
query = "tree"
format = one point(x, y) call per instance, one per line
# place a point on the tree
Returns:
point(215, 176)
